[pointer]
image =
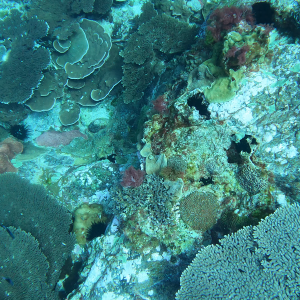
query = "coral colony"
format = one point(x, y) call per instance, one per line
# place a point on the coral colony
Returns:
point(149, 149)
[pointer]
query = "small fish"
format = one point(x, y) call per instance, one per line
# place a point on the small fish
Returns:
point(8, 231)
point(8, 279)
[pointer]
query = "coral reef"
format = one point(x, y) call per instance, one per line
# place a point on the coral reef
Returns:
point(269, 271)
point(150, 215)
point(207, 113)
point(28, 207)
point(70, 80)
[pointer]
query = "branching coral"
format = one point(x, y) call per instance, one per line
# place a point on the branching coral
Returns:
point(265, 256)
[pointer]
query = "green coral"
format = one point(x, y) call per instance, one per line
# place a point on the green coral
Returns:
point(161, 33)
point(242, 48)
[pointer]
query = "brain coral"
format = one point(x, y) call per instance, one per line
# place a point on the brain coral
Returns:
point(199, 210)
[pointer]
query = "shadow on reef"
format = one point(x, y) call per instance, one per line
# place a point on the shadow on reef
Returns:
point(230, 222)
point(234, 152)
point(70, 275)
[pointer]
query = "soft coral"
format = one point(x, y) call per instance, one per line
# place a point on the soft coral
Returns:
point(238, 54)
point(160, 104)
point(223, 19)
point(132, 177)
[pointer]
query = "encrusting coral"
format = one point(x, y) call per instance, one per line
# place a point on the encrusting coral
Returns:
point(85, 216)
point(54, 138)
point(9, 148)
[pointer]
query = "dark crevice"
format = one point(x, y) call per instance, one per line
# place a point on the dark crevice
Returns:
point(235, 149)
point(96, 230)
point(71, 272)
point(111, 158)
point(206, 181)
point(263, 13)
point(200, 104)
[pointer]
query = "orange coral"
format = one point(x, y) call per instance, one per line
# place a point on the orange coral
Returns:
point(9, 148)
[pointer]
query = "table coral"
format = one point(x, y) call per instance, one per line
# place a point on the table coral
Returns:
point(21, 71)
point(161, 33)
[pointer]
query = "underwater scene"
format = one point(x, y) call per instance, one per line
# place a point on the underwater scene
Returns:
point(149, 149)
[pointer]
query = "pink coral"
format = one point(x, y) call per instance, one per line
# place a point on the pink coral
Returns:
point(9, 148)
point(132, 177)
point(160, 104)
point(53, 138)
